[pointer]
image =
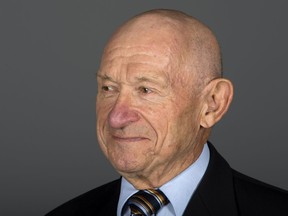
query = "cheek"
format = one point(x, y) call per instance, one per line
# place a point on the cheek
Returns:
point(102, 112)
point(183, 127)
point(103, 105)
point(103, 108)
point(191, 129)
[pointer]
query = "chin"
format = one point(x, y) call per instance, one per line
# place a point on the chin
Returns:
point(126, 166)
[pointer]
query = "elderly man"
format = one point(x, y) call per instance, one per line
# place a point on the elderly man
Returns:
point(160, 91)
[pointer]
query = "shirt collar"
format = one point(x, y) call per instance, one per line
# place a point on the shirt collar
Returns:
point(178, 190)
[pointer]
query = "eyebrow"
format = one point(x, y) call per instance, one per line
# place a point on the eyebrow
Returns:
point(155, 80)
point(146, 79)
point(140, 79)
point(105, 77)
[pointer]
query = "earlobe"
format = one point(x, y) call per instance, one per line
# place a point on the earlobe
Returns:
point(217, 99)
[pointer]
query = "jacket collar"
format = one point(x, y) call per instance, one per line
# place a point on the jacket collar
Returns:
point(215, 193)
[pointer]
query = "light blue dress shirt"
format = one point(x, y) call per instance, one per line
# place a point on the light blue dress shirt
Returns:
point(178, 190)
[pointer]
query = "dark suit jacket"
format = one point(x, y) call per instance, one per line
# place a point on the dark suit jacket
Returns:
point(222, 192)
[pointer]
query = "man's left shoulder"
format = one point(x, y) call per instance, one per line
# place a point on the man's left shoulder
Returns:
point(257, 196)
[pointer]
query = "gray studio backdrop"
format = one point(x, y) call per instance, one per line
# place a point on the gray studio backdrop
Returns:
point(49, 53)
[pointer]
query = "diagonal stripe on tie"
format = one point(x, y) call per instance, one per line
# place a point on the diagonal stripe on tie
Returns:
point(147, 202)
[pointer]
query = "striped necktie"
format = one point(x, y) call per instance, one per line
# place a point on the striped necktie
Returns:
point(146, 202)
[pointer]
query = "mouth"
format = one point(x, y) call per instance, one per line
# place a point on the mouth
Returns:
point(129, 139)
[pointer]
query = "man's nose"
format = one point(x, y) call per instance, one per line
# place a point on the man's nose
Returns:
point(122, 114)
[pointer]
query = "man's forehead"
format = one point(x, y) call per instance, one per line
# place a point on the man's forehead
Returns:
point(140, 64)
point(145, 43)
point(135, 50)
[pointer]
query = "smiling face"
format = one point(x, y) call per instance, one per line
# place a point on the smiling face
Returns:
point(148, 114)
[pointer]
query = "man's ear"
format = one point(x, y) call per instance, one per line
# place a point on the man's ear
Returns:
point(218, 95)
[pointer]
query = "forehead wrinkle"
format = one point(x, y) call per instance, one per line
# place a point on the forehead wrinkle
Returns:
point(134, 51)
point(142, 71)
point(145, 60)
point(141, 49)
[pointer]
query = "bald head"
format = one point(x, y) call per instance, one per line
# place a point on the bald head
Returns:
point(191, 44)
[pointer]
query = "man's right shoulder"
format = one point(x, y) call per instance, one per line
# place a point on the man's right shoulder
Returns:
point(91, 202)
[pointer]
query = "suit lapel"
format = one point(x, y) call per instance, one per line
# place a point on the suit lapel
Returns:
point(215, 193)
point(105, 203)
point(110, 207)
point(196, 207)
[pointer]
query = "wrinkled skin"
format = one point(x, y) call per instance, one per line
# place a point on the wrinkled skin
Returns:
point(148, 112)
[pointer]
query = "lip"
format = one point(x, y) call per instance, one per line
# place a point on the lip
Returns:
point(129, 139)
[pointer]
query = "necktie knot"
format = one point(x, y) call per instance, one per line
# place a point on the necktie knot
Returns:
point(147, 202)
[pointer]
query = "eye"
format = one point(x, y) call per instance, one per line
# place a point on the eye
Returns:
point(107, 88)
point(144, 90)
